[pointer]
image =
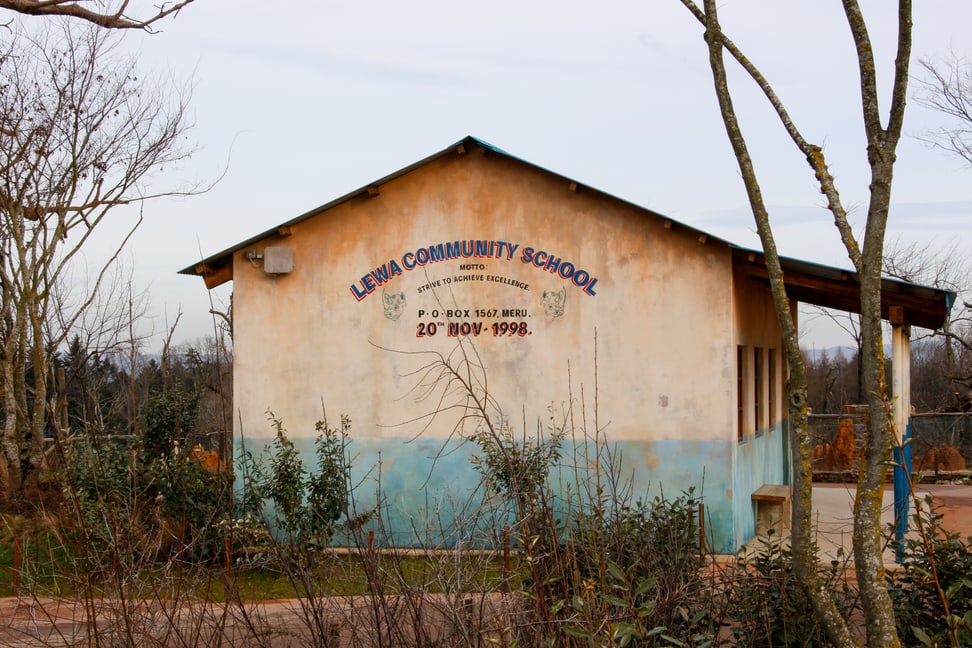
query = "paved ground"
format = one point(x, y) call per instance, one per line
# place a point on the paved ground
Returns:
point(956, 505)
point(833, 506)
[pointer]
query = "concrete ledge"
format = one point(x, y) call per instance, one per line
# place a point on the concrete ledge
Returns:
point(772, 508)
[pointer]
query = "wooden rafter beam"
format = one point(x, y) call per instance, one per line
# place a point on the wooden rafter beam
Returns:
point(214, 276)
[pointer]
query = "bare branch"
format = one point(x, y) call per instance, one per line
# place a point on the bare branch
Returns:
point(82, 134)
point(109, 18)
point(947, 89)
point(813, 153)
point(947, 267)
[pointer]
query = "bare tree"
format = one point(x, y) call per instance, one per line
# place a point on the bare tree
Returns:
point(110, 15)
point(99, 335)
point(947, 268)
point(942, 383)
point(850, 324)
point(947, 88)
point(866, 257)
point(80, 135)
point(832, 380)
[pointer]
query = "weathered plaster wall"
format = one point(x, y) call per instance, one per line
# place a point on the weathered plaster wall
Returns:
point(758, 458)
point(660, 311)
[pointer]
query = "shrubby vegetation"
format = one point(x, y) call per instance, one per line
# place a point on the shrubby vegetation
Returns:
point(767, 604)
point(588, 565)
point(932, 592)
point(141, 529)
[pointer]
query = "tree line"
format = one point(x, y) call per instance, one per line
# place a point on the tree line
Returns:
point(940, 372)
point(158, 404)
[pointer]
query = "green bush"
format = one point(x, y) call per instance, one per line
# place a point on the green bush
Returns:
point(116, 502)
point(641, 564)
point(301, 506)
point(768, 606)
point(654, 545)
point(936, 569)
point(166, 423)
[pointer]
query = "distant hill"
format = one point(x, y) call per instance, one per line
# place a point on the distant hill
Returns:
point(848, 351)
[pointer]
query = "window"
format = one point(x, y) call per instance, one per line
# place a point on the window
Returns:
point(741, 392)
point(773, 401)
point(759, 391)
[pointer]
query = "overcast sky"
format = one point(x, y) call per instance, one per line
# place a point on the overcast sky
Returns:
point(311, 100)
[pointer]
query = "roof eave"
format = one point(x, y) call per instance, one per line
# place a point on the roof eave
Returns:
point(838, 288)
point(212, 268)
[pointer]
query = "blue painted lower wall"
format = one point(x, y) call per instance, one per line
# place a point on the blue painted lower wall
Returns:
point(761, 459)
point(431, 494)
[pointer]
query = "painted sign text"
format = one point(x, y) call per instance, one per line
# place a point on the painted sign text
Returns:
point(474, 249)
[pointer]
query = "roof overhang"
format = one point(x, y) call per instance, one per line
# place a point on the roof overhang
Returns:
point(218, 268)
point(902, 302)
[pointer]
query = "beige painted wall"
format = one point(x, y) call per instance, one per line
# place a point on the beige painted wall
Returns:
point(757, 326)
point(661, 312)
point(759, 454)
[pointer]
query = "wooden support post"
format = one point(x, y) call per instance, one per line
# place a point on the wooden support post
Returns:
point(900, 417)
point(17, 555)
point(506, 558)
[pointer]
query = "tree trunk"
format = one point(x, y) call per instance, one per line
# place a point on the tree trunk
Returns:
point(804, 556)
point(878, 612)
point(881, 145)
point(15, 402)
point(868, 554)
point(39, 418)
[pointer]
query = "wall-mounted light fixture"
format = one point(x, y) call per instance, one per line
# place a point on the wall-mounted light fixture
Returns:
point(276, 259)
